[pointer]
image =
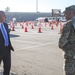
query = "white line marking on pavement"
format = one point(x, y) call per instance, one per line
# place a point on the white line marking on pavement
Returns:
point(34, 34)
point(25, 42)
point(36, 46)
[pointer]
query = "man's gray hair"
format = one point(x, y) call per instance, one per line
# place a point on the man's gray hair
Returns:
point(2, 12)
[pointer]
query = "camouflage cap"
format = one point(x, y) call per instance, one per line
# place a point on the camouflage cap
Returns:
point(70, 8)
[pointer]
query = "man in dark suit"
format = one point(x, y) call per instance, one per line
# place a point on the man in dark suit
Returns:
point(5, 44)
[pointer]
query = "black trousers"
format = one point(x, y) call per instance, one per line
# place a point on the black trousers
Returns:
point(6, 61)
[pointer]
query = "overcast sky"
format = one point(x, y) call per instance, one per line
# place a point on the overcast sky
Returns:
point(30, 5)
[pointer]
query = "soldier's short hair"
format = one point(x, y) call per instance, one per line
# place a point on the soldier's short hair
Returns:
point(70, 8)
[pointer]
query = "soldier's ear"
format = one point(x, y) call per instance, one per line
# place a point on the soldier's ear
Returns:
point(72, 13)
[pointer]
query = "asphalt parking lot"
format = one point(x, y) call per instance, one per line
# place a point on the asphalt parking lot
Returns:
point(36, 53)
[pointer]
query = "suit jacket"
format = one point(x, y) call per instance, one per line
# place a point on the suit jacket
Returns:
point(2, 39)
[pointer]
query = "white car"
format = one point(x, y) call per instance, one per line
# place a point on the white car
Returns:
point(63, 19)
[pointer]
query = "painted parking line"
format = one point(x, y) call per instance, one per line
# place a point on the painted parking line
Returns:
point(25, 41)
point(33, 33)
point(36, 46)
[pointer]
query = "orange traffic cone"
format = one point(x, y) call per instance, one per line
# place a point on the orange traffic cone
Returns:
point(13, 29)
point(32, 27)
point(52, 27)
point(61, 26)
point(26, 30)
point(22, 27)
point(10, 24)
point(45, 24)
point(50, 23)
point(39, 30)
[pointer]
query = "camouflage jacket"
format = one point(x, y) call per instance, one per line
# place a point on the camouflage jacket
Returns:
point(67, 38)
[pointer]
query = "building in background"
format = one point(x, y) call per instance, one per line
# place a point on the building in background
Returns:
point(25, 16)
point(56, 12)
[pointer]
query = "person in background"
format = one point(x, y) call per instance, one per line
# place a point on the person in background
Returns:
point(46, 20)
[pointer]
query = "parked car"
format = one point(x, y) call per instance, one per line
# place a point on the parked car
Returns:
point(63, 19)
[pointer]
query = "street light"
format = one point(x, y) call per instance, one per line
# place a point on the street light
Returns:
point(36, 5)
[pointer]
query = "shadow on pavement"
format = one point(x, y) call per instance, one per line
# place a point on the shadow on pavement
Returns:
point(12, 35)
point(16, 74)
point(13, 74)
point(1, 73)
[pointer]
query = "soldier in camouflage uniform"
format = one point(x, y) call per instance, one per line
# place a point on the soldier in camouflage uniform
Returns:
point(67, 40)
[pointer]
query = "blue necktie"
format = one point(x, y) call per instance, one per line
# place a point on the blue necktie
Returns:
point(5, 36)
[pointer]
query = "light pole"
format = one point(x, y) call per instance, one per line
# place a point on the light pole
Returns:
point(36, 5)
